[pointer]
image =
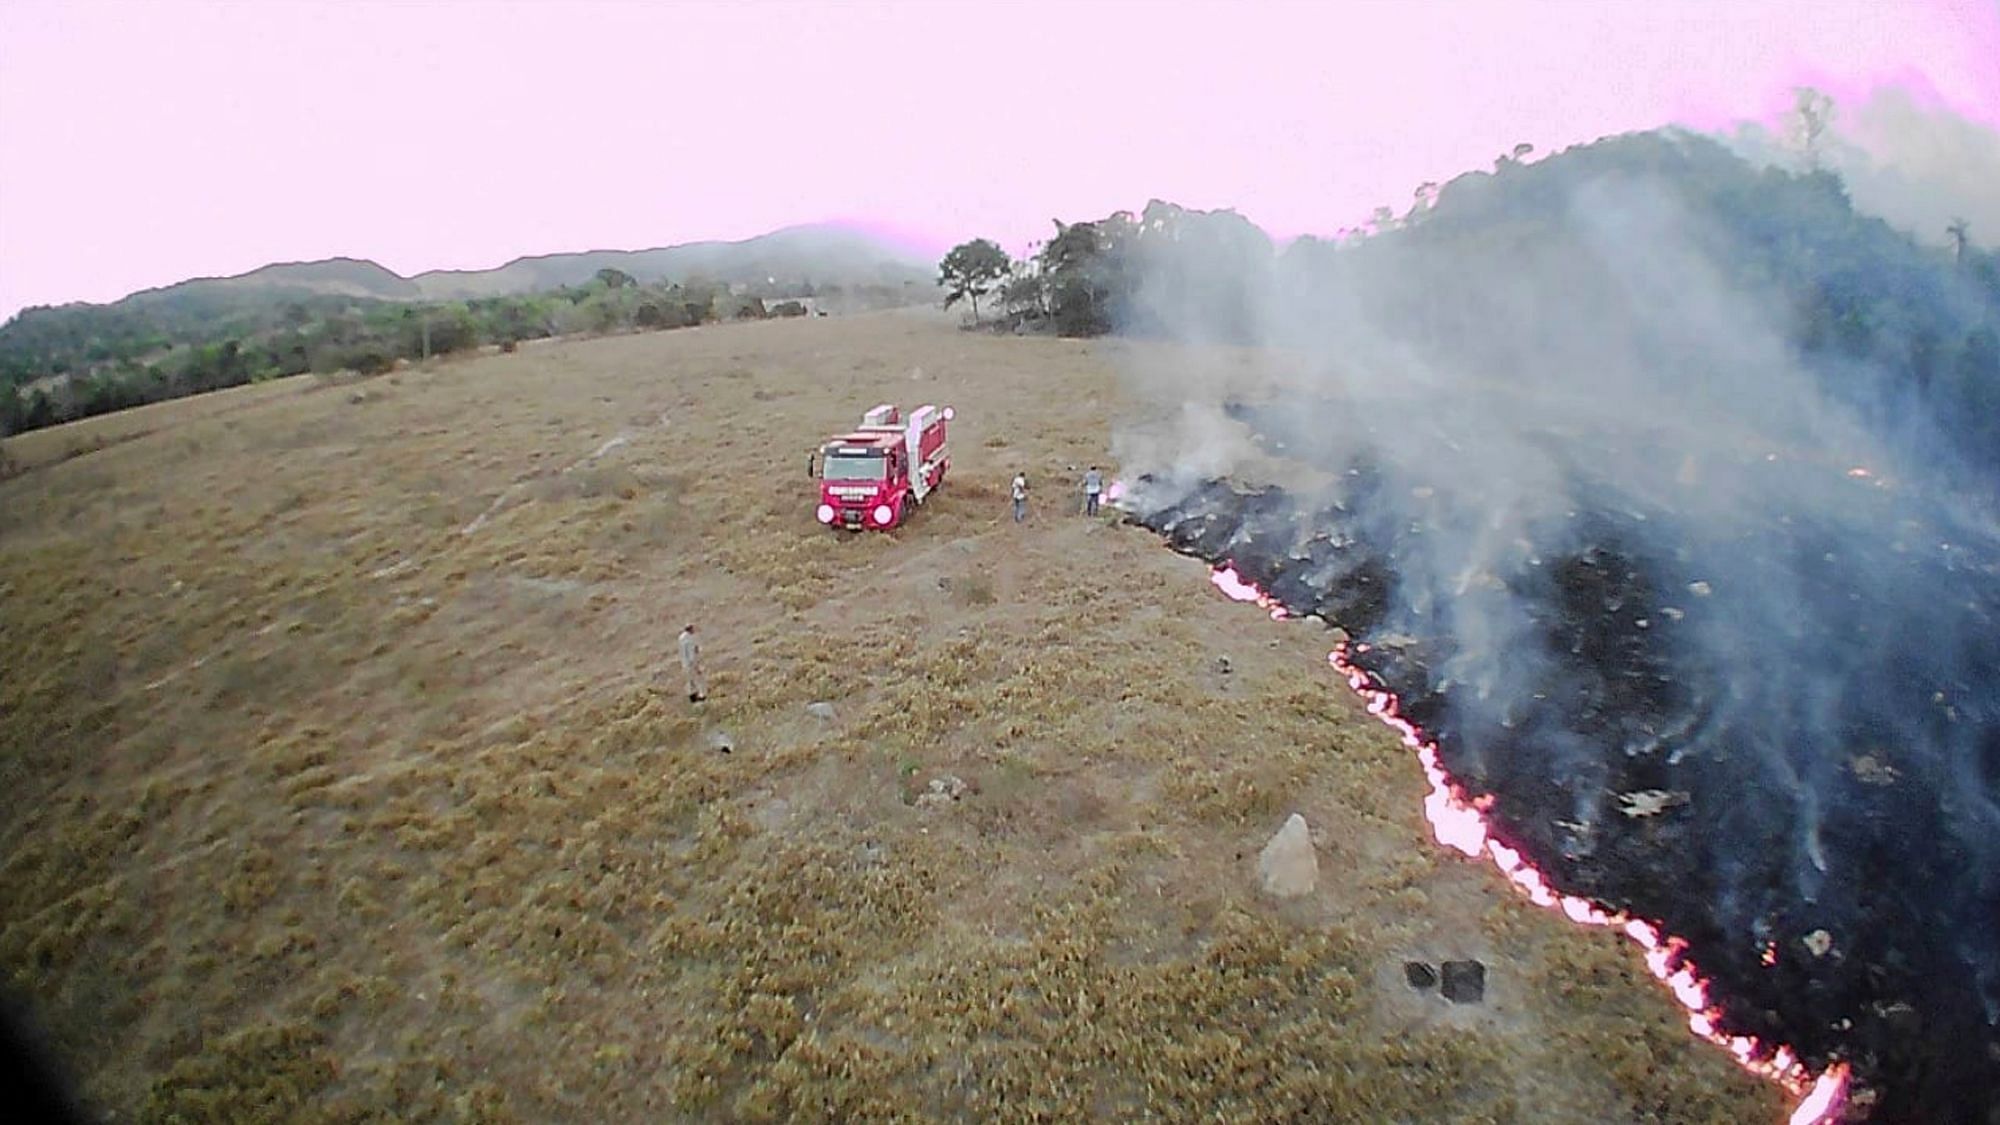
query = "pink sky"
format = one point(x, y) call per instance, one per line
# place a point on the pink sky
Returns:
point(143, 143)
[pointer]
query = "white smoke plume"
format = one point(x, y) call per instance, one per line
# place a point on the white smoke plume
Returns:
point(1579, 355)
point(1919, 168)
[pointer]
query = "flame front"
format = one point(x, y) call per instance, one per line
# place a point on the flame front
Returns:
point(1232, 584)
point(1459, 822)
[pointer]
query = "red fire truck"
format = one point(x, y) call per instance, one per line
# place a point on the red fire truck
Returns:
point(871, 477)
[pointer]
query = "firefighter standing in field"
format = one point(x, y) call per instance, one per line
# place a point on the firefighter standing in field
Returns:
point(1020, 491)
point(691, 664)
point(1093, 487)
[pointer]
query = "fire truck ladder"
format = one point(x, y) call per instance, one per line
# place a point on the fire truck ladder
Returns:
point(913, 441)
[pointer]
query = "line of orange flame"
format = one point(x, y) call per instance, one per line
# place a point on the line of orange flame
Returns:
point(1459, 822)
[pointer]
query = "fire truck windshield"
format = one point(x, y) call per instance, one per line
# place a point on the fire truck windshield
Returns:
point(846, 466)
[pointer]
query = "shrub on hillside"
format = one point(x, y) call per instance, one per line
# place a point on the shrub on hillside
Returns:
point(369, 359)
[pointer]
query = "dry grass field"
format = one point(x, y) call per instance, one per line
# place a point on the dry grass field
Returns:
point(346, 774)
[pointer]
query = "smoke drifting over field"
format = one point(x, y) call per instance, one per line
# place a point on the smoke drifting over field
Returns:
point(1720, 626)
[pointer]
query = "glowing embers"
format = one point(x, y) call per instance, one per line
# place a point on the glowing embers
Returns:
point(1459, 821)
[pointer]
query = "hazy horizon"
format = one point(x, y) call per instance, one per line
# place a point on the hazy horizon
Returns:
point(149, 145)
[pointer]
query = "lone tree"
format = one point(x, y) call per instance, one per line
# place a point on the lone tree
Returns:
point(969, 271)
point(1958, 232)
point(1812, 119)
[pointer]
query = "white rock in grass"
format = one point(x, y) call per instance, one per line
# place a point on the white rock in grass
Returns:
point(943, 791)
point(1288, 867)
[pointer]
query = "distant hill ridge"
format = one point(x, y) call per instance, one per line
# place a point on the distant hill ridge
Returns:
point(821, 254)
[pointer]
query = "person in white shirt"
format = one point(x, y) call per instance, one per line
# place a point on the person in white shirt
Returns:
point(1020, 497)
point(1093, 487)
point(691, 664)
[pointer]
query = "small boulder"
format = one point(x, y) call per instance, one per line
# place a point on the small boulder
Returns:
point(1288, 866)
point(820, 710)
point(720, 741)
point(1464, 982)
point(943, 791)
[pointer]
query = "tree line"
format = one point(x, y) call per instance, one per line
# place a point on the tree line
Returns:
point(65, 363)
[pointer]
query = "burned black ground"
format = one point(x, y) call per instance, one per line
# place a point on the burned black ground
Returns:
point(1823, 885)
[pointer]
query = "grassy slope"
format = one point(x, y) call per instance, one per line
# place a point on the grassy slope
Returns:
point(312, 806)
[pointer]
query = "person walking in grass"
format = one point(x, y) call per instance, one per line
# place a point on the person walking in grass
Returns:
point(1093, 487)
point(691, 664)
point(1020, 491)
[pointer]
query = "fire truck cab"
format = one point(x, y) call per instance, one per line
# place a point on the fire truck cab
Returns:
point(870, 478)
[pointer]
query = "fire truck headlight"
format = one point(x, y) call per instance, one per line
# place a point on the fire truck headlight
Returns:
point(825, 513)
point(882, 514)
